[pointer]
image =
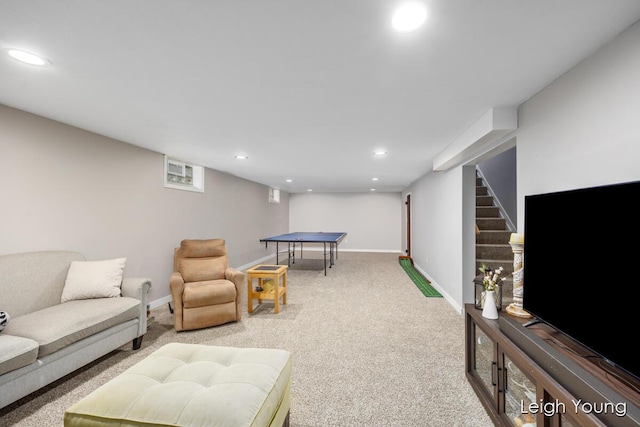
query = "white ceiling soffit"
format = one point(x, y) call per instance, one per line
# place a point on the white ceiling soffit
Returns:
point(493, 126)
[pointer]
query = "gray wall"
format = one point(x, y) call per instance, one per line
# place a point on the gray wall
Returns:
point(372, 220)
point(65, 188)
point(500, 175)
point(582, 130)
point(436, 230)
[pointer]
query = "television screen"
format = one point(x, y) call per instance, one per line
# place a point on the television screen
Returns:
point(581, 251)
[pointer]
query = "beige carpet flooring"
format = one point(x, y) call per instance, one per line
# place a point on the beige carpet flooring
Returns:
point(368, 349)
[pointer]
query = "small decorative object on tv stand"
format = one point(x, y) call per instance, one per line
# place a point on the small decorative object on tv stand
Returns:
point(490, 310)
point(491, 281)
point(517, 246)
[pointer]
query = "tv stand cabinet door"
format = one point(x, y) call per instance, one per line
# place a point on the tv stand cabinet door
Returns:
point(510, 385)
point(482, 372)
point(519, 393)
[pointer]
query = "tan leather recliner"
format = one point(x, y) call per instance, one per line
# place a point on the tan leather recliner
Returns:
point(205, 290)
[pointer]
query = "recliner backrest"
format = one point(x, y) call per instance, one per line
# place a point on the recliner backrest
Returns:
point(200, 260)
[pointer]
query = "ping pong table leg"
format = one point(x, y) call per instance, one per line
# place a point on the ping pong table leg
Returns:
point(330, 254)
point(325, 257)
point(292, 254)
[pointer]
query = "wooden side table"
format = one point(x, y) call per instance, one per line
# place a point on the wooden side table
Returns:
point(272, 279)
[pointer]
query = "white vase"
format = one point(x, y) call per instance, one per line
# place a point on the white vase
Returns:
point(490, 310)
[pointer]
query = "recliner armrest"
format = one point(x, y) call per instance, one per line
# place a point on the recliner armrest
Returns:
point(176, 285)
point(236, 276)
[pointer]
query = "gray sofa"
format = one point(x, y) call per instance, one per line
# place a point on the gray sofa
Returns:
point(46, 339)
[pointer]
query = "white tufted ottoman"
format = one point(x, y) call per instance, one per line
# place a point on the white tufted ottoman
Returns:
point(193, 385)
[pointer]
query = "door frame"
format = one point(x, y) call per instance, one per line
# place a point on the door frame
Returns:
point(407, 223)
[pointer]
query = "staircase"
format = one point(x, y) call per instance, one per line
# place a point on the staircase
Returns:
point(492, 244)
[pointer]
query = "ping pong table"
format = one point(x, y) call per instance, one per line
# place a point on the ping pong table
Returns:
point(298, 239)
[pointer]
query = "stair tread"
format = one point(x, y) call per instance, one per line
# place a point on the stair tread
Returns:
point(493, 240)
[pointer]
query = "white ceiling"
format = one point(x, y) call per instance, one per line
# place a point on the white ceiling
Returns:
point(307, 89)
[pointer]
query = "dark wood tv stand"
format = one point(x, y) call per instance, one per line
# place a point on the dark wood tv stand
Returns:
point(536, 375)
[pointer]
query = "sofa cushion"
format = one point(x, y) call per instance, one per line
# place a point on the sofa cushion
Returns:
point(56, 327)
point(93, 279)
point(16, 352)
point(25, 275)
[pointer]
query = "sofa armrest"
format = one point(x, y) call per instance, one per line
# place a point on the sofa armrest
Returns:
point(138, 288)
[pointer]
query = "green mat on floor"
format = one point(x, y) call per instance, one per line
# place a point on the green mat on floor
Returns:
point(420, 281)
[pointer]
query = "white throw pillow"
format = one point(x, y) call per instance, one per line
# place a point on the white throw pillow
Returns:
point(93, 279)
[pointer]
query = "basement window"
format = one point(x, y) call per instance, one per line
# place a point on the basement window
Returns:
point(182, 175)
point(274, 195)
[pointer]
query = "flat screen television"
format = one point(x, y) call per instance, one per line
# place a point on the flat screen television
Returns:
point(582, 268)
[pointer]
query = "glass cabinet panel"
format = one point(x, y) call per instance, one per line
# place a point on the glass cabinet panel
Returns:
point(484, 358)
point(564, 421)
point(519, 396)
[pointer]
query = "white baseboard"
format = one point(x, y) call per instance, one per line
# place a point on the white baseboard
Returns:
point(438, 288)
point(386, 251)
point(161, 301)
point(256, 262)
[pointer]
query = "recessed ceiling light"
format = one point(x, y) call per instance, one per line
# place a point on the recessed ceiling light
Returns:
point(409, 17)
point(374, 179)
point(241, 157)
point(309, 190)
point(379, 153)
point(27, 57)
point(289, 180)
point(373, 189)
